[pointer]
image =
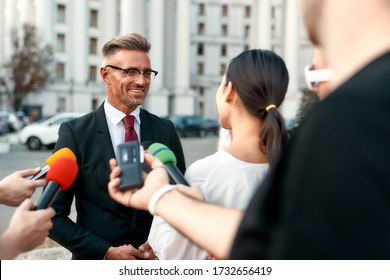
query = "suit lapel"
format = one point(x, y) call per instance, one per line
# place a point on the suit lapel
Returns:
point(146, 131)
point(103, 136)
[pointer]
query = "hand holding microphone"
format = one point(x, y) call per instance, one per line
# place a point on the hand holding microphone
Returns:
point(168, 158)
point(64, 152)
point(138, 198)
point(60, 176)
point(158, 177)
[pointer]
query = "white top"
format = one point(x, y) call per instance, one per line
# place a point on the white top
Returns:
point(116, 127)
point(224, 180)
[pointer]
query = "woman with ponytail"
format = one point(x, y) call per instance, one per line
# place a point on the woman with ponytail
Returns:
point(252, 89)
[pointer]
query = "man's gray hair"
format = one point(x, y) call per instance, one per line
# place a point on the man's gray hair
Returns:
point(132, 41)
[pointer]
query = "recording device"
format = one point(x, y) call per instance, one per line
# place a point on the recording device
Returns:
point(168, 158)
point(130, 156)
point(64, 152)
point(145, 167)
point(60, 176)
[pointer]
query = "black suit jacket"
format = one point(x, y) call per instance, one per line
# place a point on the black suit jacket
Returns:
point(329, 195)
point(102, 222)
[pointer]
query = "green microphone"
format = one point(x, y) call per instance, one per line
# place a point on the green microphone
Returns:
point(168, 158)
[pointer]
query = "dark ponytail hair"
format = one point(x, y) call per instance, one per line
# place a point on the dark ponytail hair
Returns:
point(260, 78)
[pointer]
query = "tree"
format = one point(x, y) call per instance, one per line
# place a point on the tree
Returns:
point(28, 68)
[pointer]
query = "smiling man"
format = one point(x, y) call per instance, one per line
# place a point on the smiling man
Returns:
point(104, 228)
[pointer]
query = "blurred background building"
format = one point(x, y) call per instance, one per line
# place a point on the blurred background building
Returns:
point(192, 43)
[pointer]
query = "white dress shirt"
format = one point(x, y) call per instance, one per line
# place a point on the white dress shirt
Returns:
point(116, 127)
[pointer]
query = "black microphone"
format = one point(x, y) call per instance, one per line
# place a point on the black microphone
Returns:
point(168, 158)
point(60, 176)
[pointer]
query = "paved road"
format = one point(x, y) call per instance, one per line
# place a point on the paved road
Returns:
point(19, 157)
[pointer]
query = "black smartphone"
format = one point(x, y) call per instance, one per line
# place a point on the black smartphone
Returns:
point(130, 158)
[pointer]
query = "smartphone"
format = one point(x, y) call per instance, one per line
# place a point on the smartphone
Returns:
point(130, 158)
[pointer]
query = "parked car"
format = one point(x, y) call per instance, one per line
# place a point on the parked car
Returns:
point(23, 119)
point(11, 119)
point(4, 128)
point(45, 133)
point(189, 125)
point(211, 126)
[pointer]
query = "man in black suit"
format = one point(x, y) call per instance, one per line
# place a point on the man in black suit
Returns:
point(104, 228)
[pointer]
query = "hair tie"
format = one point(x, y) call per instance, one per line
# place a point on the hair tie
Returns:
point(269, 107)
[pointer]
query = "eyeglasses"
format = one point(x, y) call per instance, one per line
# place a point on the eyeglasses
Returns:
point(314, 77)
point(134, 73)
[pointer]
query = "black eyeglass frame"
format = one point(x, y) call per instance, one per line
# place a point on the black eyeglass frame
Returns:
point(134, 69)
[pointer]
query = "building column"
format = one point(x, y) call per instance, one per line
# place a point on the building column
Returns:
point(80, 40)
point(263, 24)
point(44, 19)
point(132, 16)
point(2, 33)
point(184, 99)
point(25, 8)
point(78, 65)
point(9, 23)
point(291, 51)
point(157, 102)
point(107, 24)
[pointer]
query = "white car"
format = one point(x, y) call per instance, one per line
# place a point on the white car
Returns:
point(45, 133)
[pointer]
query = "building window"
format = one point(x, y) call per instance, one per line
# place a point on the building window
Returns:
point(60, 71)
point(247, 30)
point(61, 12)
point(223, 50)
point(273, 12)
point(224, 29)
point(61, 105)
point(93, 18)
point(93, 46)
point(201, 28)
point(273, 31)
point(200, 49)
point(246, 47)
point(200, 68)
point(201, 91)
point(92, 73)
point(201, 9)
point(95, 103)
point(247, 11)
point(222, 69)
point(60, 42)
point(224, 10)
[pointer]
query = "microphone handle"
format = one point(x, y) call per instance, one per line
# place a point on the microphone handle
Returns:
point(49, 194)
point(175, 174)
point(41, 174)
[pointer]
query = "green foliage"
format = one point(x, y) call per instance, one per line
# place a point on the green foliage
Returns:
point(27, 70)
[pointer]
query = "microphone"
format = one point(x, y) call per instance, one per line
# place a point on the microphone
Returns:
point(60, 176)
point(64, 152)
point(168, 158)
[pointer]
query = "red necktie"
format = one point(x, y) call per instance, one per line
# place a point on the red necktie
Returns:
point(130, 134)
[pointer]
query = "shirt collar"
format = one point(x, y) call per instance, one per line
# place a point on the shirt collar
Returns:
point(116, 116)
